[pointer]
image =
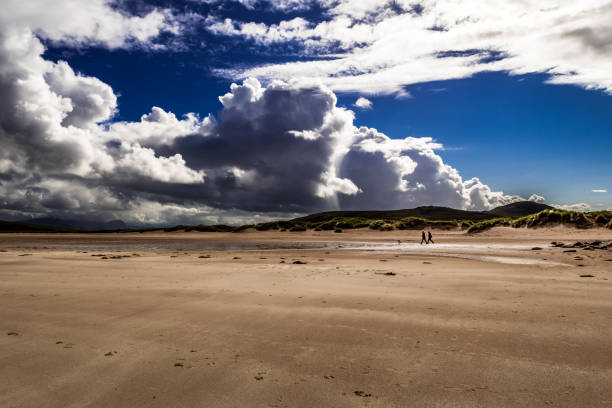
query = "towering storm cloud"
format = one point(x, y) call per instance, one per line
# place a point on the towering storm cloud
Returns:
point(275, 150)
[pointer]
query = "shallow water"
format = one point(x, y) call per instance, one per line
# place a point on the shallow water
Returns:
point(499, 252)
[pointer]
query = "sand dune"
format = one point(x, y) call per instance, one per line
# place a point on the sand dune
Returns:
point(383, 325)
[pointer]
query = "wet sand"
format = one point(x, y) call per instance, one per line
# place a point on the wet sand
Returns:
point(475, 321)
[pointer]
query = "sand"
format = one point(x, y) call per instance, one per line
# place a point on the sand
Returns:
point(364, 325)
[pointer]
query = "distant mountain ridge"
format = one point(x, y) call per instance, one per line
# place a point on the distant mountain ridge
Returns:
point(50, 224)
point(14, 226)
point(77, 224)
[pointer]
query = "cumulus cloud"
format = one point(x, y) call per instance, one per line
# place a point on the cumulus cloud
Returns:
point(379, 47)
point(536, 198)
point(281, 149)
point(580, 207)
point(363, 103)
point(86, 22)
point(600, 191)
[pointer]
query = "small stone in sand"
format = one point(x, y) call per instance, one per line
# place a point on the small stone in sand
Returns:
point(178, 364)
point(587, 276)
point(426, 263)
point(236, 257)
point(108, 354)
point(362, 394)
point(12, 334)
point(204, 256)
point(536, 249)
point(258, 377)
point(570, 250)
point(299, 263)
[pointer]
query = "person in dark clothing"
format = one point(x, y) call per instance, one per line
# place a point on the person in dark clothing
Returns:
point(423, 239)
point(430, 238)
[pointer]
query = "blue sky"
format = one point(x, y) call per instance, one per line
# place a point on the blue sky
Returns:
point(524, 109)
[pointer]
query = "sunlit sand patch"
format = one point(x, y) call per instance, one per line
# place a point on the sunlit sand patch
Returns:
point(510, 260)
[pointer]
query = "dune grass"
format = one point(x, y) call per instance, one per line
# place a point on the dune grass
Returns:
point(549, 218)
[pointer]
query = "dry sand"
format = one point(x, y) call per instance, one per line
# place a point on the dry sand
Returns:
point(456, 326)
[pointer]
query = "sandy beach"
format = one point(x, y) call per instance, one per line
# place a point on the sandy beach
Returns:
point(311, 319)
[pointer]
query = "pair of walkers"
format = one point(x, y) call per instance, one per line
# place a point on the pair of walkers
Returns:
point(426, 238)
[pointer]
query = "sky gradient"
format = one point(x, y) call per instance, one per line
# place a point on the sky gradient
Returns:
point(158, 112)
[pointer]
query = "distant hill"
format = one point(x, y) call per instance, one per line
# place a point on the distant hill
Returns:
point(433, 213)
point(519, 209)
point(73, 224)
point(10, 226)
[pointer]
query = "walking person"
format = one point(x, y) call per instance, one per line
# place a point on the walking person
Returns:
point(430, 238)
point(423, 238)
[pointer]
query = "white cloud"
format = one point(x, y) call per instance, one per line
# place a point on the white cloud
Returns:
point(599, 191)
point(84, 22)
point(276, 5)
point(580, 207)
point(363, 103)
point(379, 47)
point(536, 198)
